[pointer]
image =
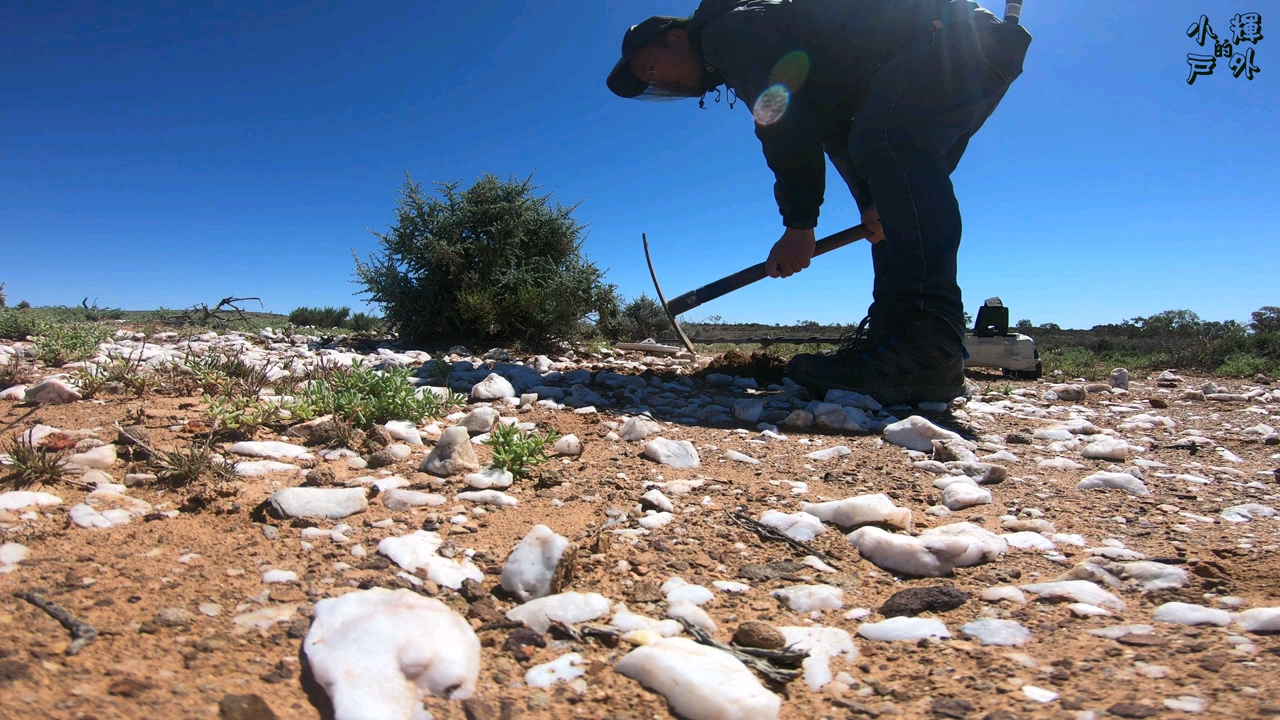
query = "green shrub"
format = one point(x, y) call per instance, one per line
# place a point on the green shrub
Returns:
point(365, 397)
point(493, 263)
point(20, 324)
point(24, 305)
point(363, 322)
point(640, 318)
point(72, 342)
point(517, 451)
point(325, 317)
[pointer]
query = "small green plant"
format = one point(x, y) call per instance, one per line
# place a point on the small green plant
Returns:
point(517, 451)
point(325, 317)
point(364, 397)
point(16, 372)
point(242, 415)
point(129, 373)
point(33, 465)
point(230, 376)
point(20, 324)
point(183, 467)
point(1241, 365)
point(72, 342)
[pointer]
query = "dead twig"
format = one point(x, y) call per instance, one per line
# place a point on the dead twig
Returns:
point(607, 635)
point(766, 667)
point(767, 533)
point(82, 633)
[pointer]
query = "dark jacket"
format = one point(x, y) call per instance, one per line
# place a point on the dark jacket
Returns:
point(841, 44)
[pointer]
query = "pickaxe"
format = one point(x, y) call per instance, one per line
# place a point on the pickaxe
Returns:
point(736, 281)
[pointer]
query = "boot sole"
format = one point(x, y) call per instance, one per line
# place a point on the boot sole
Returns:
point(901, 395)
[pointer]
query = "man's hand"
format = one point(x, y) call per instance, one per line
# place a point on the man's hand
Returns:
point(791, 254)
point(871, 218)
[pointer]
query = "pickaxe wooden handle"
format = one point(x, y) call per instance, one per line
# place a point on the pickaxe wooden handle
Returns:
point(740, 279)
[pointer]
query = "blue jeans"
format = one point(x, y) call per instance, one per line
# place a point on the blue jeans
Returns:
point(922, 107)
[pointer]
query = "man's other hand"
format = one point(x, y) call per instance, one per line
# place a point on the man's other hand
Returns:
point(871, 218)
point(791, 254)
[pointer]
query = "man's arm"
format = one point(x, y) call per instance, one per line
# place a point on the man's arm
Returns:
point(747, 46)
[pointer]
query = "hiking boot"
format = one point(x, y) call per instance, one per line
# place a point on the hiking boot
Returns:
point(916, 359)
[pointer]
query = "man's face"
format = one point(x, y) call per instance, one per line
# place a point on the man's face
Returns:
point(672, 68)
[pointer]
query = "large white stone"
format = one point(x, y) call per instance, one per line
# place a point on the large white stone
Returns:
point(934, 553)
point(401, 499)
point(680, 455)
point(101, 457)
point(1108, 449)
point(270, 449)
point(991, 631)
point(568, 607)
point(626, 621)
point(798, 526)
point(51, 391)
point(1189, 614)
point(479, 420)
point(404, 430)
point(638, 428)
point(1260, 620)
point(563, 669)
point(822, 644)
point(830, 453)
point(904, 628)
point(569, 445)
point(809, 598)
point(331, 503)
point(531, 566)
point(1117, 481)
point(861, 510)
point(11, 554)
point(493, 387)
point(379, 652)
point(452, 454)
point(699, 682)
point(1081, 591)
point(418, 550)
point(23, 499)
point(958, 496)
point(490, 477)
point(917, 433)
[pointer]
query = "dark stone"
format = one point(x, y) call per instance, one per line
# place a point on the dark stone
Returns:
point(472, 591)
point(244, 707)
point(1132, 710)
point(298, 628)
point(1017, 438)
point(11, 670)
point(129, 687)
point(380, 459)
point(486, 610)
point(1214, 662)
point(755, 634)
point(1000, 715)
point(321, 477)
point(1142, 640)
point(951, 708)
point(477, 709)
point(133, 435)
point(519, 642)
point(647, 592)
point(913, 601)
point(770, 571)
point(1158, 403)
point(376, 562)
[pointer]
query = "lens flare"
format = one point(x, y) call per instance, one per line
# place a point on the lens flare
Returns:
point(786, 78)
point(771, 105)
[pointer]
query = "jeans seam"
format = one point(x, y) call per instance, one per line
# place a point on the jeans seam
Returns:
point(915, 211)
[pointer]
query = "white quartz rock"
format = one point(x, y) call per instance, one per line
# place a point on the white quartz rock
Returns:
point(677, 589)
point(1082, 591)
point(958, 496)
point(1260, 620)
point(404, 430)
point(690, 613)
point(736, 456)
point(656, 520)
point(626, 621)
point(1152, 576)
point(418, 550)
point(270, 449)
point(861, 510)
point(531, 566)
point(103, 456)
point(680, 455)
point(378, 653)
point(808, 598)
point(829, 453)
point(1059, 463)
point(493, 387)
point(569, 607)
point(932, 554)
point(1027, 540)
point(699, 682)
point(798, 526)
point(1118, 481)
point(990, 631)
point(1004, 592)
point(568, 445)
point(823, 644)
point(488, 497)
point(1108, 449)
point(402, 499)
point(1189, 614)
point(563, 669)
point(658, 500)
point(331, 503)
point(23, 499)
point(1247, 512)
point(916, 433)
point(11, 553)
point(104, 508)
point(479, 420)
point(904, 628)
point(638, 428)
point(490, 477)
point(51, 391)
point(253, 468)
point(452, 454)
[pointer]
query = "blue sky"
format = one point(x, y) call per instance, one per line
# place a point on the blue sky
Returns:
point(168, 156)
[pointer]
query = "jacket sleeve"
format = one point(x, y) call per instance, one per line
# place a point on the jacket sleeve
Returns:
point(746, 46)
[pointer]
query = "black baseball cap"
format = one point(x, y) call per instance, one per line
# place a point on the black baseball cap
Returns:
point(622, 81)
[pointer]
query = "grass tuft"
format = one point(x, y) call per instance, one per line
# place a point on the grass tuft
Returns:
point(32, 465)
